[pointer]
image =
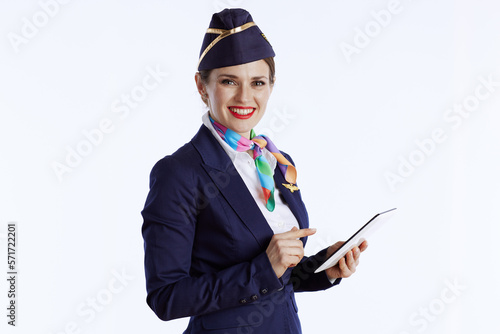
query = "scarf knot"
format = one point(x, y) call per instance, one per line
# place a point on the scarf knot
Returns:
point(257, 143)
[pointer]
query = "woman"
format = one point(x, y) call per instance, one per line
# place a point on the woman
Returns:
point(224, 223)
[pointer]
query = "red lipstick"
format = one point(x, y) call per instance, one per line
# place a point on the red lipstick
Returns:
point(247, 116)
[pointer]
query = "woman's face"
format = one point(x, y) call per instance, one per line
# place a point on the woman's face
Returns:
point(237, 95)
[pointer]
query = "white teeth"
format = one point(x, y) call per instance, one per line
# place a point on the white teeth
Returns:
point(241, 111)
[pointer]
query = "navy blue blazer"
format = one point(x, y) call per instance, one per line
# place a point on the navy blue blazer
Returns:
point(205, 244)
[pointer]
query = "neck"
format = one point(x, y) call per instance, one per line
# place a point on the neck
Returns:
point(244, 134)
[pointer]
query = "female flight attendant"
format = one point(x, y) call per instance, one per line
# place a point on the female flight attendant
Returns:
point(224, 222)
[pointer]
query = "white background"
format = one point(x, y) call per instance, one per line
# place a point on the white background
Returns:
point(347, 120)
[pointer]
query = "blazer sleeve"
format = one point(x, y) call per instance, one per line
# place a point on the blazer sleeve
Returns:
point(303, 277)
point(169, 230)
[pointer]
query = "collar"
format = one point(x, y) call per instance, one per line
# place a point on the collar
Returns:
point(229, 150)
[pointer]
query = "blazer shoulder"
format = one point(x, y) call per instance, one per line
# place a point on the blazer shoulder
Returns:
point(200, 150)
point(181, 162)
point(186, 155)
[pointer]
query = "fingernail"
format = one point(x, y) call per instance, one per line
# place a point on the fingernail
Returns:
point(313, 229)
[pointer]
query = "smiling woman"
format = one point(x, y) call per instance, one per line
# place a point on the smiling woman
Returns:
point(224, 223)
point(237, 95)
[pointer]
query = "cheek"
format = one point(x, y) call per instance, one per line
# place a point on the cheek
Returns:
point(221, 97)
point(263, 97)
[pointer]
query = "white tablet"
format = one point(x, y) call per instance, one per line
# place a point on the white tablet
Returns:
point(357, 238)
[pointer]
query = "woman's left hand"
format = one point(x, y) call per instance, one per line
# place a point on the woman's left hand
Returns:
point(347, 265)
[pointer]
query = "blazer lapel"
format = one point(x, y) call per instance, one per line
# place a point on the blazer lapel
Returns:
point(230, 184)
point(293, 200)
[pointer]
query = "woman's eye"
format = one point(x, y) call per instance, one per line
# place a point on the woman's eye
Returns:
point(228, 82)
point(259, 83)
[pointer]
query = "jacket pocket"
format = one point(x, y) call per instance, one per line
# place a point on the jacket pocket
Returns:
point(257, 317)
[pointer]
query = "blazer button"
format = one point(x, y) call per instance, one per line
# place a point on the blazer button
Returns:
point(263, 291)
point(243, 301)
point(254, 297)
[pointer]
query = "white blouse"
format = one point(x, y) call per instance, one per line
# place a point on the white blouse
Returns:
point(281, 219)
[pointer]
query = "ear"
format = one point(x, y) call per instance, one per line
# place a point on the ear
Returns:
point(202, 90)
point(199, 84)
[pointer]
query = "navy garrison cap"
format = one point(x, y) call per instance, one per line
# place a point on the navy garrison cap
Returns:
point(233, 39)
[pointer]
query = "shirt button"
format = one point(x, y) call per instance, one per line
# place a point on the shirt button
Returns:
point(243, 301)
point(254, 297)
point(263, 291)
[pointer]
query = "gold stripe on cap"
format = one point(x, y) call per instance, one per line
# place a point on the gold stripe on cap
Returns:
point(223, 34)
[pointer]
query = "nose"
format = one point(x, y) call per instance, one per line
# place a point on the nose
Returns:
point(244, 94)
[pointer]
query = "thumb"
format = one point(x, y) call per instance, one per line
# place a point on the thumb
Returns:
point(294, 228)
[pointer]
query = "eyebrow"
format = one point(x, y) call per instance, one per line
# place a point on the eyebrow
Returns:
point(236, 77)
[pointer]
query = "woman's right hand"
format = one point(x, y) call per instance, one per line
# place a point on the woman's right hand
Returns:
point(286, 249)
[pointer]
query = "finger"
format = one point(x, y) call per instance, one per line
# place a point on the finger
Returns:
point(294, 262)
point(295, 233)
point(356, 256)
point(333, 248)
point(344, 270)
point(356, 252)
point(305, 232)
point(351, 263)
point(363, 246)
point(286, 248)
point(291, 260)
point(289, 243)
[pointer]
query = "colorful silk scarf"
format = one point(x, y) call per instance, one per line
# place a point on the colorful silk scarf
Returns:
point(257, 143)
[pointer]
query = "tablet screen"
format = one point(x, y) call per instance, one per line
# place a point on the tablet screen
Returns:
point(357, 238)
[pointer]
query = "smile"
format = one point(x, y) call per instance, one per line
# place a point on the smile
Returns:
point(242, 112)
